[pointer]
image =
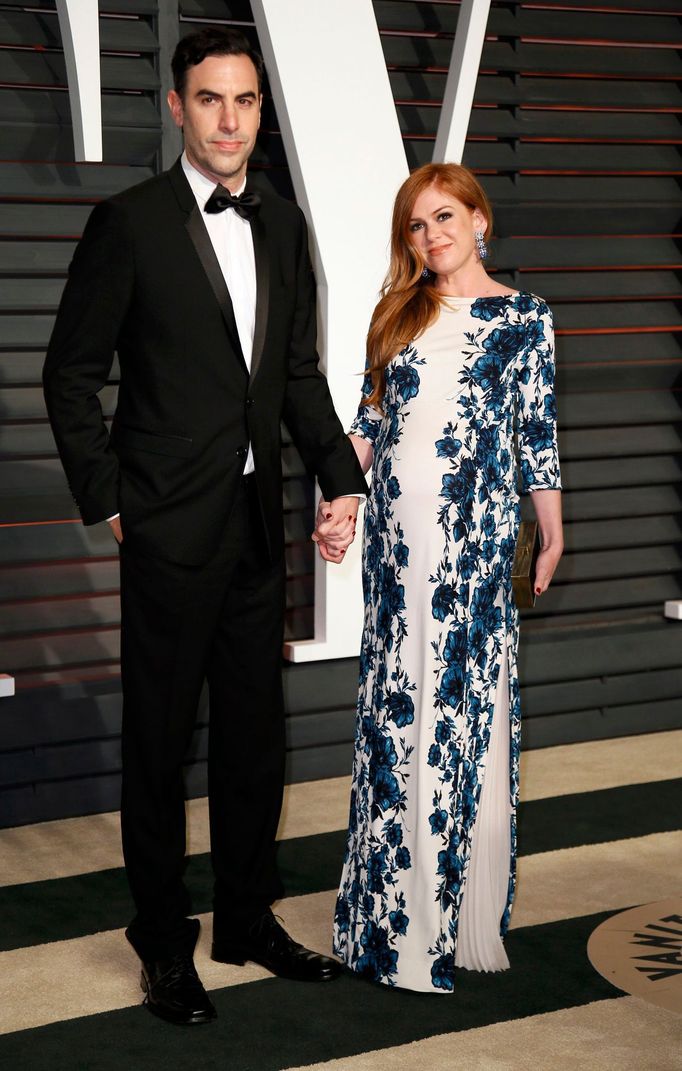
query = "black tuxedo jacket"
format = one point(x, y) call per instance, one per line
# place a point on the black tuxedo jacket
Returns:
point(145, 282)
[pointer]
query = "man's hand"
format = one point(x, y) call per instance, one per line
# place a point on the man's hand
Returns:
point(115, 525)
point(335, 527)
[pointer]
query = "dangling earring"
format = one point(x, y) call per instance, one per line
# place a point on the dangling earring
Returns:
point(481, 247)
point(425, 273)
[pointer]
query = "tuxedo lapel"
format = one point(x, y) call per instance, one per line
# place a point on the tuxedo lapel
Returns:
point(197, 232)
point(262, 257)
point(202, 243)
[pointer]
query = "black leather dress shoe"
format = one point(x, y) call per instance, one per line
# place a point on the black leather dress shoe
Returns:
point(174, 991)
point(269, 944)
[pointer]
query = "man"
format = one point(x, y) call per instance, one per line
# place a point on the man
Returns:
point(206, 293)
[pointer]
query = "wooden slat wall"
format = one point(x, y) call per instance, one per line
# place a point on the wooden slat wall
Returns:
point(575, 134)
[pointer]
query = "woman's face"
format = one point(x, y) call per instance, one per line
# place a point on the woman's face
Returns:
point(441, 229)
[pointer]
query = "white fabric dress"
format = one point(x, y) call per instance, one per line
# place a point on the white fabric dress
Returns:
point(429, 871)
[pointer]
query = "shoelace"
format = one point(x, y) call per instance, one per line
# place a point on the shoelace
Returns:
point(182, 965)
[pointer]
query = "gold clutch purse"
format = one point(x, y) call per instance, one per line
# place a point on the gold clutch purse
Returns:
point(523, 569)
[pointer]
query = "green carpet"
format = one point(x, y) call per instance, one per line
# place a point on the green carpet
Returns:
point(44, 911)
point(275, 1024)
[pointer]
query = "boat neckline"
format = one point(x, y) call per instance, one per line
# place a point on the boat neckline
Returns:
point(488, 297)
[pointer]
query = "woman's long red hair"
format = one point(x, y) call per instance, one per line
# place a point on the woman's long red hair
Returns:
point(409, 303)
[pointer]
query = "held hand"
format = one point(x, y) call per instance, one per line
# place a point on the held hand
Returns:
point(548, 559)
point(115, 525)
point(335, 527)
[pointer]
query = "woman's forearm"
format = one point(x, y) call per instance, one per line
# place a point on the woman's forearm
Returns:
point(547, 506)
point(364, 451)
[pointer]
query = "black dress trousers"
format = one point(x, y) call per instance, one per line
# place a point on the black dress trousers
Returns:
point(223, 623)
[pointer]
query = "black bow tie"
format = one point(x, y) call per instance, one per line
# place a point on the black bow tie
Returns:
point(245, 206)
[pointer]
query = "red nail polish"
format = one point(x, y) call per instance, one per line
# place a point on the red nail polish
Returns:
point(537, 591)
point(328, 516)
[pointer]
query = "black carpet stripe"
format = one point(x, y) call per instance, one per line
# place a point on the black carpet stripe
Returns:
point(39, 912)
point(274, 1024)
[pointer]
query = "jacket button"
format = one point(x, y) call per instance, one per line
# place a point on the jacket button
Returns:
point(249, 402)
point(241, 452)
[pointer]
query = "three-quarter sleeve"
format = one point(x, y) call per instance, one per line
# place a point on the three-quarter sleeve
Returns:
point(368, 420)
point(536, 404)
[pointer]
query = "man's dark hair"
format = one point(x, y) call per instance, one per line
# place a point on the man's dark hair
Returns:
point(194, 49)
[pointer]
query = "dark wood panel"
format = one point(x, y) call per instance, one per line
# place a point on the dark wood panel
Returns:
point(623, 503)
point(584, 159)
point(21, 368)
point(612, 563)
point(42, 221)
point(588, 252)
point(620, 442)
point(28, 403)
point(40, 581)
point(604, 409)
point(613, 345)
point(33, 258)
point(554, 217)
point(61, 649)
point(116, 35)
point(578, 127)
point(50, 542)
point(237, 10)
point(654, 375)
point(604, 595)
point(528, 91)
point(424, 53)
point(645, 686)
point(21, 67)
point(517, 21)
point(576, 190)
point(611, 472)
point(32, 106)
point(601, 724)
point(599, 652)
point(107, 7)
point(636, 532)
point(26, 440)
point(119, 145)
point(29, 295)
point(44, 181)
point(589, 283)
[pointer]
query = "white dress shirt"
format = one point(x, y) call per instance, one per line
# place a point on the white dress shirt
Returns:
point(232, 243)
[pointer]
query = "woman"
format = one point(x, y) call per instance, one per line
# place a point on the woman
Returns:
point(456, 360)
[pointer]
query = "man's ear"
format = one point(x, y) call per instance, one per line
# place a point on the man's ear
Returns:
point(175, 105)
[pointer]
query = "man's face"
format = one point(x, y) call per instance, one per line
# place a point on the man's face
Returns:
point(219, 113)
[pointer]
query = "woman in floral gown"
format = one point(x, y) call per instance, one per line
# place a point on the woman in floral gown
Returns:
point(458, 364)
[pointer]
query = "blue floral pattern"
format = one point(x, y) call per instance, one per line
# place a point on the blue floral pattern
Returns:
point(439, 536)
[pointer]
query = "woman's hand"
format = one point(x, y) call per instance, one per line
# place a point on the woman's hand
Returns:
point(335, 527)
point(548, 559)
point(547, 506)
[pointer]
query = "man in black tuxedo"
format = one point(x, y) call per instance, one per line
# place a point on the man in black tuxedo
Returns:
point(204, 288)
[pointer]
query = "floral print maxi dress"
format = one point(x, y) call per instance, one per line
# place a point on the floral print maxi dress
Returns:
point(440, 530)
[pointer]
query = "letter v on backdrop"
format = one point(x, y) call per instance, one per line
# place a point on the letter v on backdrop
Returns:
point(343, 144)
point(342, 139)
